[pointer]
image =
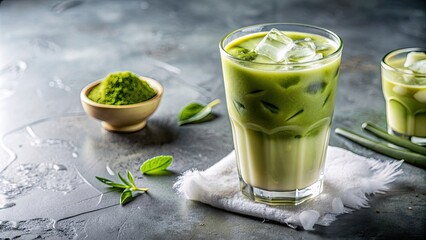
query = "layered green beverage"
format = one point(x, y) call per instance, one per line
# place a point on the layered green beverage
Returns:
point(280, 107)
point(404, 88)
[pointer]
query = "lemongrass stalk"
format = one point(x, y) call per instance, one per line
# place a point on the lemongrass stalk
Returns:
point(376, 130)
point(409, 157)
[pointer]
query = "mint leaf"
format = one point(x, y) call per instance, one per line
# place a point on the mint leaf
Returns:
point(196, 113)
point(111, 183)
point(131, 178)
point(123, 180)
point(156, 164)
point(126, 196)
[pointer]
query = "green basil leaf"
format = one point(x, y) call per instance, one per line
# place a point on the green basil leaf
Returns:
point(131, 178)
point(156, 164)
point(110, 183)
point(197, 113)
point(126, 196)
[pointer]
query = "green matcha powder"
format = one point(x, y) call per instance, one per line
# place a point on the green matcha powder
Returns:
point(122, 88)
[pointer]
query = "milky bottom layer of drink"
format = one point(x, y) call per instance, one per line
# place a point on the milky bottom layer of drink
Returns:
point(280, 116)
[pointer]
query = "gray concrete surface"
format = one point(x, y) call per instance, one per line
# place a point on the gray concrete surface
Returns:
point(49, 50)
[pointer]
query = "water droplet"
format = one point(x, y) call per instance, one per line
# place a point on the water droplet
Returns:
point(14, 69)
point(59, 84)
point(109, 170)
point(24, 167)
point(59, 167)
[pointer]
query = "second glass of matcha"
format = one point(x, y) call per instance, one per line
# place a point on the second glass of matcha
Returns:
point(280, 84)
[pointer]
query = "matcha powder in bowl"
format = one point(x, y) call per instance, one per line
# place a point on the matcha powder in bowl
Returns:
point(121, 88)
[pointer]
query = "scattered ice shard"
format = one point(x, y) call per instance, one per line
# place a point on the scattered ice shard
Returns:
point(337, 206)
point(59, 167)
point(275, 45)
point(308, 219)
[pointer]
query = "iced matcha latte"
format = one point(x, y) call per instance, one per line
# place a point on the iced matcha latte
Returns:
point(280, 84)
point(404, 88)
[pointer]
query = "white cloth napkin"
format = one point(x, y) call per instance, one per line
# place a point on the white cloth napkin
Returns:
point(349, 178)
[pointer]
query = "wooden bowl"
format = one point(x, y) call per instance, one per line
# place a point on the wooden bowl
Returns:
point(122, 118)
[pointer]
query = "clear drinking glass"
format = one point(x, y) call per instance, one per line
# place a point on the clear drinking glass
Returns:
point(405, 94)
point(280, 116)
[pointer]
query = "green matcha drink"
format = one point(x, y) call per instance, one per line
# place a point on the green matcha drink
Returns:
point(280, 90)
point(404, 88)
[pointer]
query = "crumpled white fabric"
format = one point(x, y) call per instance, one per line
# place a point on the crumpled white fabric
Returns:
point(349, 179)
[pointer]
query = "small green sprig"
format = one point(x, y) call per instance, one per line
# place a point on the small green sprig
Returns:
point(154, 166)
point(128, 186)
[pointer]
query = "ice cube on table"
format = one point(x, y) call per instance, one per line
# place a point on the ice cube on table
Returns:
point(275, 45)
point(308, 219)
point(337, 206)
point(416, 62)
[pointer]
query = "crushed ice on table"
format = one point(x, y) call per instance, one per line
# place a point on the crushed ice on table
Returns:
point(281, 48)
point(308, 219)
point(46, 176)
point(275, 45)
point(337, 206)
point(41, 142)
point(40, 228)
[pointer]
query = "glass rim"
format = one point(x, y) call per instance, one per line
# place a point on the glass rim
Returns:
point(399, 70)
point(332, 55)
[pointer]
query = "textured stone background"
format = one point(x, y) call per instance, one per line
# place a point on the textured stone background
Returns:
point(49, 50)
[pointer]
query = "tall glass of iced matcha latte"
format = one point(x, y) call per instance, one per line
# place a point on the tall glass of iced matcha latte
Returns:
point(280, 84)
point(404, 88)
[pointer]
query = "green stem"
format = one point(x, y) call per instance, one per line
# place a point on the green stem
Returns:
point(213, 103)
point(410, 157)
point(376, 130)
point(139, 189)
